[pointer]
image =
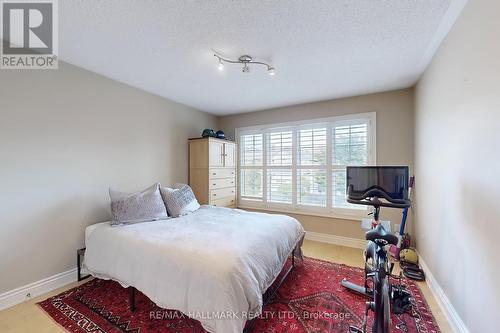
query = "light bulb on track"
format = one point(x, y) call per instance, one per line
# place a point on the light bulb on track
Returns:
point(247, 62)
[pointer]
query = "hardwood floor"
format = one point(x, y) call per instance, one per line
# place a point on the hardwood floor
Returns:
point(27, 317)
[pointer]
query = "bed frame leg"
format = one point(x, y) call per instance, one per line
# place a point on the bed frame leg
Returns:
point(269, 295)
point(131, 298)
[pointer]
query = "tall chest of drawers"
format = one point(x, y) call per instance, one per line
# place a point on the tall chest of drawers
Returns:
point(212, 171)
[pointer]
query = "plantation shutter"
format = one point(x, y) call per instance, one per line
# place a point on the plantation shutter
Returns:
point(279, 166)
point(279, 148)
point(350, 147)
point(301, 166)
point(251, 150)
point(311, 172)
point(251, 166)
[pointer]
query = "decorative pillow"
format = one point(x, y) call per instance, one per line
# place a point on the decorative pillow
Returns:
point(127, 208)
point(179, 200)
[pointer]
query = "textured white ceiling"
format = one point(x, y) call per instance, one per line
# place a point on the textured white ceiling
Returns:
point(321, 49)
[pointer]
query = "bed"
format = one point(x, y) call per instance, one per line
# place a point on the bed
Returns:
point(213, 265)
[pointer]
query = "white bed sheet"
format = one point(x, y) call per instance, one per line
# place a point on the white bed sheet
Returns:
point(213, 265)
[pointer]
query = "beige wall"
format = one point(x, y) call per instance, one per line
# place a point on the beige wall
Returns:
point(65, 136)
point(457, 160)
point(394, 140)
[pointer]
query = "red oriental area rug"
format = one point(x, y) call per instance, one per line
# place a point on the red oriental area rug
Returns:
point(310, 300)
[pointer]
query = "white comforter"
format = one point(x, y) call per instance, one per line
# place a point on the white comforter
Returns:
point(213, 265)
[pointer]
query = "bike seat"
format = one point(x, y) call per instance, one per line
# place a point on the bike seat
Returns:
point(379, 233)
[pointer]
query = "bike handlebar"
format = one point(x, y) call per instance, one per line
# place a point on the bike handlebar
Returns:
point(371, 198)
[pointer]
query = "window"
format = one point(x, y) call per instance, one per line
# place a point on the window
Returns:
point(301, 167)
point(350, 147)
point(279, 152)
point(311, 175)
point(251, 166)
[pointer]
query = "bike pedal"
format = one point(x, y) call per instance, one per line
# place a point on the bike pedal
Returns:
point(353, 329)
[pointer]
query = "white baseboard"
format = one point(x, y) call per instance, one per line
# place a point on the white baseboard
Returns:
point(449, 311)
point(337, 240)
point(29, 291)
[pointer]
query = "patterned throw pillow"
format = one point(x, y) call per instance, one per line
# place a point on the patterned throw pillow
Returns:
point(127, 208)
point(179, 200)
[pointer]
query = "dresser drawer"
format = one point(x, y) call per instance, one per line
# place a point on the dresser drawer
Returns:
point(222, 193)
point(222, 182)
point(224, 202)
point(222, 173)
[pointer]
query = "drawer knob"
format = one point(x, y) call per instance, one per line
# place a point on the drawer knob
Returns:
point(214, 184)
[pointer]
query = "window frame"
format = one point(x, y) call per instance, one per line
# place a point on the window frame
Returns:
point(295, 127)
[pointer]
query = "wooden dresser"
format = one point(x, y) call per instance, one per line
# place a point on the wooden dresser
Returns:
point(212, 171)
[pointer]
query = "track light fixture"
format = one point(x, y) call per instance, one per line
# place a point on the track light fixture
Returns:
point(245, 60)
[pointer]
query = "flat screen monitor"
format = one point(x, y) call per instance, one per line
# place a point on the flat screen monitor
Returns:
point(391, 179)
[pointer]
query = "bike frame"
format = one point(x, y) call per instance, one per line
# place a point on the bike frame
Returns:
point(379, 271)
point(379, 274)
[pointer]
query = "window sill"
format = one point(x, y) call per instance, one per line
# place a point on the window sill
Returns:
point(356, 216)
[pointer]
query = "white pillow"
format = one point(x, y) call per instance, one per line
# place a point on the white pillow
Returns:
point(179, 200)
point(127, 208)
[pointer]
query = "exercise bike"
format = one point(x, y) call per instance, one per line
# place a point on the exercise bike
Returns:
point(378, 187)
